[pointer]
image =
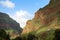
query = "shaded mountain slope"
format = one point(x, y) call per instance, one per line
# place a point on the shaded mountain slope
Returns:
point(7, 23)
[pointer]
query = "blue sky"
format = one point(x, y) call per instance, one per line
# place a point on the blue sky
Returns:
point(21, 10)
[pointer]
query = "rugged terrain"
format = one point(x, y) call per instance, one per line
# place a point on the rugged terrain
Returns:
point(45, 18)
point(7, 23)
point(44, 26)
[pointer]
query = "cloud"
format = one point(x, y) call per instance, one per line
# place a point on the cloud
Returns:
point(22, 16)
point(7, 3)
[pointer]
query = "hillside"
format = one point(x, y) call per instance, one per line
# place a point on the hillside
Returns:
point(45, 18)
point(7, 23)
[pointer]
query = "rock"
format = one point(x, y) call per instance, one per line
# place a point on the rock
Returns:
point(7, 23)
point(45, 17)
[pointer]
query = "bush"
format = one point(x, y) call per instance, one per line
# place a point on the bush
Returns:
point(4, 35)
point(31, 37)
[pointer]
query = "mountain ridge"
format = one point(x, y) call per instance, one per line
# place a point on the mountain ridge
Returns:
point(45, 17)
point(7, 23)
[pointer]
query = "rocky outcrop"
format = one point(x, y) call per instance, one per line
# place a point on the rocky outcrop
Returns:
point(7, 23)
point(45, 17)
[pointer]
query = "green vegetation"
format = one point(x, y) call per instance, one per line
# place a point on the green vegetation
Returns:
point(45, 35)
point(50, 15)
point(4, 35)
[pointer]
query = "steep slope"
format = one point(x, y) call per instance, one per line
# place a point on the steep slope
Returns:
point(7, 23)
point(45, 18)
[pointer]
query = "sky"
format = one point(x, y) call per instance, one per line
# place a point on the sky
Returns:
point(22, 10)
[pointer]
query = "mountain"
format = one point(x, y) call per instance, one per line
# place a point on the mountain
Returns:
point(45, 18)
point(7, 23)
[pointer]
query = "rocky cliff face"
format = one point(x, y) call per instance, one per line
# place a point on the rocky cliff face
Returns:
point(49, 16)
point(7, 23)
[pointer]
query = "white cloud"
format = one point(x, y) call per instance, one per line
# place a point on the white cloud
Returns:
point(7, 3)
point(22, 16)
